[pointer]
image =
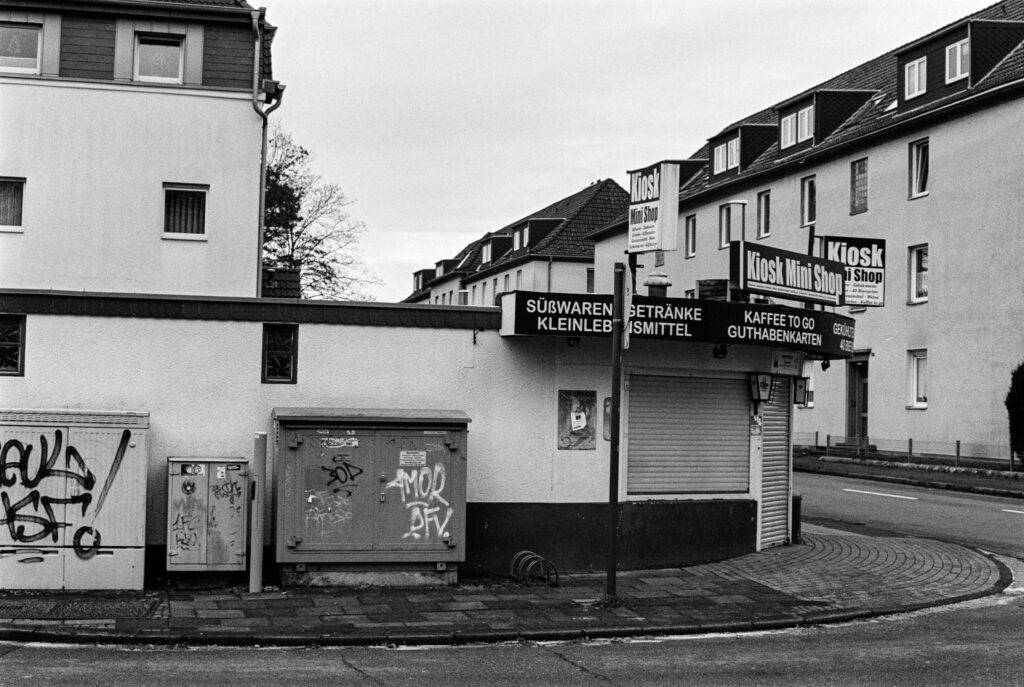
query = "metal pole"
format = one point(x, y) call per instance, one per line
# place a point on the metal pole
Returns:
point(257, 478)
point(613, 468)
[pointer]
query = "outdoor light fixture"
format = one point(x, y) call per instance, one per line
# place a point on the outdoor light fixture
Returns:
point(761, 386)
point(825, 364)
point(720, 350)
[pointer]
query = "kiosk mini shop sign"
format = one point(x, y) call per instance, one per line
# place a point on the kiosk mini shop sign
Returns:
point(653, 207)
point(527, 313)
point(785, 274)
point(865, 267)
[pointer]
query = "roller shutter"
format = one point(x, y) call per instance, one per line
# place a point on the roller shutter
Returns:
point(688, 435)
point(775, 468)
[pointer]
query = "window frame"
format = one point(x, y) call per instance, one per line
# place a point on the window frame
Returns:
point(805, 124)
point(961, 60)
point(917, 277)
point(720, 158)
point(171, 187)
point(19, 345)
point(25, 26)
point(724, 225)
point(919, 80)
point(764, 214)
point(917, 379)
point(787, 131)
point(732, 153)
point(690, 235)
point(292, 352)
point(858, 186)
point(808, 201)
point(166, 39)
point(17, 228)
point(485, 253)
point(918, 175)
point(591, 280)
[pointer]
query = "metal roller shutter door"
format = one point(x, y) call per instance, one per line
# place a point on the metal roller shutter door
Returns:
point(775, 467)
point(688, 435)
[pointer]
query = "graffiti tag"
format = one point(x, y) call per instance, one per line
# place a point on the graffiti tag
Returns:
point(421, 491)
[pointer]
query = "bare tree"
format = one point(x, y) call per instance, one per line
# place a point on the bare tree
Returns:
point(307, 225)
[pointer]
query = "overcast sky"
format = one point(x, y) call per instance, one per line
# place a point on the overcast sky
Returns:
point(446, 119)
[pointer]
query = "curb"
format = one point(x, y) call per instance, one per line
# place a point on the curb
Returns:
point(825, 468)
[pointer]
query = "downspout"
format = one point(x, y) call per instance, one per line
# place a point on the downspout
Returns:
point(257, 57)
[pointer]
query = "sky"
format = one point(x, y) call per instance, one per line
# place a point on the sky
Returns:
point(443, 120)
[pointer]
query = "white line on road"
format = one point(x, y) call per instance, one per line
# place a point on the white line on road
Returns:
point(875, 493)
point(1019, 512)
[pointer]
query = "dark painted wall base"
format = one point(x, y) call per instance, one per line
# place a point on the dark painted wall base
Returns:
point(574, 536)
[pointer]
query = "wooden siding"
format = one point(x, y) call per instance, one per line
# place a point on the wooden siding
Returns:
point(935, 79)
point(87, 48)
point(833, 109)
point(990, 43)
point(227, 57)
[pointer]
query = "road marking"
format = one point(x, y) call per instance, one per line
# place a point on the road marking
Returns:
point(1019, 512)
point(875, 493)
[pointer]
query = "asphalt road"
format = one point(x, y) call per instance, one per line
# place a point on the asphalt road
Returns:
point(991, 523)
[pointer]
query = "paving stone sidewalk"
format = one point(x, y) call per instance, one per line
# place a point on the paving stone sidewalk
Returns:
point(830, 576)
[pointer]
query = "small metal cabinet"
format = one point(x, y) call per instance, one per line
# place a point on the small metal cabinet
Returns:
point(207, 504)
point(370, 486)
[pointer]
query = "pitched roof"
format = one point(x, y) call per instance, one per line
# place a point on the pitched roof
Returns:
point(878, 114)
point(578, 215)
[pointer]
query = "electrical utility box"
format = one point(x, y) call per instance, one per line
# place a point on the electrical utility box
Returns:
point(207, 504)
point(370, 486)
point(73, 491)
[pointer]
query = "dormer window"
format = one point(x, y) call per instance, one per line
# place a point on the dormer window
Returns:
point(521, 238)
point(727, 155)
point(797, 127)
point(958, 61)
point(485, 253)
point(439, 271)
point(915, 75)
point(159, 58)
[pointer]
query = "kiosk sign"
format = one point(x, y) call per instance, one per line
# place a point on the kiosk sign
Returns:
point(653, 207)
point(785, 274)
point(865, 267)
point(680, 319)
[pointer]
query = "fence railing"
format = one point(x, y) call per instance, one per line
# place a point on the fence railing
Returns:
point(954, 453)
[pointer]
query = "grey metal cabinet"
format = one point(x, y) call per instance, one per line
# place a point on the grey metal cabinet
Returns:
point(370, 486)
point(207, 504)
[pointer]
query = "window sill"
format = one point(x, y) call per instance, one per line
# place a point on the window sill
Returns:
point(761, 237)
point(917, 407)
point(919, 195)
point(184, 237)
point(11, 230)
point(920, 302)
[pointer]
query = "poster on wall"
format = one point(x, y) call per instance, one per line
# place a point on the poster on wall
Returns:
point(577, 420)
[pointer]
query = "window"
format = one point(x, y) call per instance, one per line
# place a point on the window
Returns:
point(859, 186)
point(12, 192)
point(519, 279)
point(158, 58)
point(474, 295)
point(958, 61)
point(788, 131)
point(280, 353)
point(727, 155)
point(483, 294)
point(808, 202)
point(504, 284)
point(724, 225)
point(915, 75)
point(690, 293)
point(590, 280)
point(690, 235)
point(805, 124)
point(917, 368)
point(494, 284)
point(764, 214)
point(12, 345)
point(520, 237)
point(485, 253)
point(185, 211)
point(918, 272)
point(919, 168)
point(732, 155)
point(20, 48)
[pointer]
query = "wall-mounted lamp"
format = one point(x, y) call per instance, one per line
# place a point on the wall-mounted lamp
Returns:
point(720, 350)
point(761, 386)
point(573, 341)
point(825, 364)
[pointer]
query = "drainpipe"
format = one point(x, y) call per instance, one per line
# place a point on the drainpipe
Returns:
point(257, 56)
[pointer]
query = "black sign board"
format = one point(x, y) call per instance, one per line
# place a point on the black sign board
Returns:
point(785, 274)
point(680, 319)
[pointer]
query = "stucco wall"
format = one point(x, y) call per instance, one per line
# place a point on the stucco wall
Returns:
point(95, 158)
point(200, 382)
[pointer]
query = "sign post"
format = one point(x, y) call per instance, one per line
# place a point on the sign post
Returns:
point(618, 325)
